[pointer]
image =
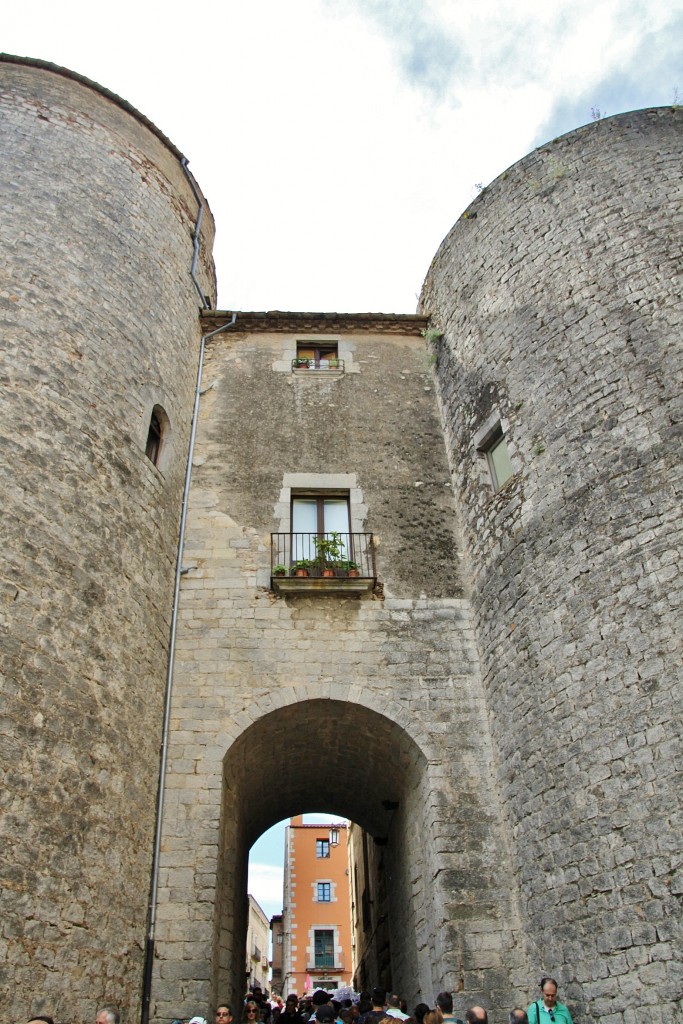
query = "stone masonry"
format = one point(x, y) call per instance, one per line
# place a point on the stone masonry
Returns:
point(559, 297)
point(283, 703)
point(501, 714)
point(99, 322)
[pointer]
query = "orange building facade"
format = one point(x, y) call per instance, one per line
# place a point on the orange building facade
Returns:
point(316, 908)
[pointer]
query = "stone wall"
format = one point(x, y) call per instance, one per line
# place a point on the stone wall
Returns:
point(99, 322)
point(368, 707)
point(558, 295)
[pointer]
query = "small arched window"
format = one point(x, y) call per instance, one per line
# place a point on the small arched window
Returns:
point(156, 435)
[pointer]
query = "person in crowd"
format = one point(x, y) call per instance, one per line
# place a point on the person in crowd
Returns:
point(326, 1014)
point(477, 1015)
point(251, 1012)
point(444, 1002)
point(434, 1016)
point(419, 1012)
point(108, 1015)
point(518, 1016)
point(198, 1020)
point(291, 1013)
point(376, 1012)
point(223, 1014)
point(394, 1007)
point(547, 1010)
point(43, 1020)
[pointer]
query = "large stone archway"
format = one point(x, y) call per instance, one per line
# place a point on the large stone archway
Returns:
point(452, 917)
point(345, 759)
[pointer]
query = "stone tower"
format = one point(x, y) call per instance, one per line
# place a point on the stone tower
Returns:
point(556, 304)
point(100, 350)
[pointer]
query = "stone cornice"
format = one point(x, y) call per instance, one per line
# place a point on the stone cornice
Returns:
point(316, 323)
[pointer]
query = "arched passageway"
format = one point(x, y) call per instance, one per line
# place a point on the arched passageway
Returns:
point(350, 760)
point(344, 759)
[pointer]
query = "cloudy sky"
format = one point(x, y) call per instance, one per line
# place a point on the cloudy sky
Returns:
point(337, 141)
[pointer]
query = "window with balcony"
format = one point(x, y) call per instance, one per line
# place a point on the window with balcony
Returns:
point(317, 355)
point(321, 546)
point(323, 892)
point(322, 848)
point(324, 947)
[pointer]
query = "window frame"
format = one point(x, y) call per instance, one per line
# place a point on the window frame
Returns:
point(323, 892)
point(492, 435)
point(321, 497)
point(322, 350)
point(497, 441)
point(319, 959)
point(320, 846)
point(158, 435)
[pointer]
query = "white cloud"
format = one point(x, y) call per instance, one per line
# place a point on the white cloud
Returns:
point(338, 140)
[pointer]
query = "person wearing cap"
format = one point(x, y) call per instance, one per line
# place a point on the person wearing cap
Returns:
point(326, 1014)
point(197, 1020)
point(291, 1013)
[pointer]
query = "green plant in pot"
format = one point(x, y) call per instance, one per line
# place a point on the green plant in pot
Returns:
point(328, 550)
point(279, 570)
point(301, 567)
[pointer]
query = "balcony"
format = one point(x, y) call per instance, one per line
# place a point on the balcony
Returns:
point(313, 367)
point(331, 563)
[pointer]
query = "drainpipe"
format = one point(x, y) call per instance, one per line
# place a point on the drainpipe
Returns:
point(195, 235)
point(154, 887)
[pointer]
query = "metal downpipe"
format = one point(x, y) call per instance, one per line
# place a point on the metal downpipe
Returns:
point(195, 235)
point(154, 887)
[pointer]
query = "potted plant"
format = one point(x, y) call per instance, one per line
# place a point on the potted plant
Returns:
point(328, 550)
point(300, 363)
point(350, 568)
point(301, 568)
point(280, 570)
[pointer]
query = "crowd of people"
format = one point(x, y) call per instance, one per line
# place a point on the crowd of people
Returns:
point(376, 1007)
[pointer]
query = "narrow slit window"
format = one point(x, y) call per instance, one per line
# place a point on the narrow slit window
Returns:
point(153, 447)
point(157, 437)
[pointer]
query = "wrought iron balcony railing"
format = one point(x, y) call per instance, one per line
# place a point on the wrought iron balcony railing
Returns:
point(329, 561)
point(332, 365)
